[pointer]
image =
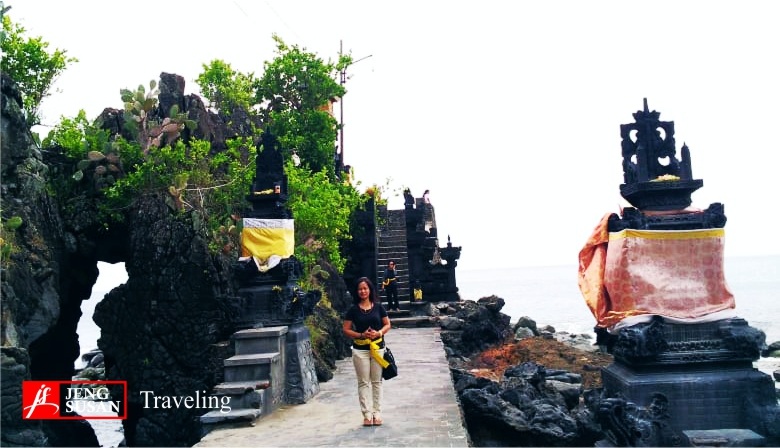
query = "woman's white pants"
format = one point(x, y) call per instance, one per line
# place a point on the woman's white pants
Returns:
point(369, 379)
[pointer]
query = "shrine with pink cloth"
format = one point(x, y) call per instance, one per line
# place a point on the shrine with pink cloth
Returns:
point(675, 274)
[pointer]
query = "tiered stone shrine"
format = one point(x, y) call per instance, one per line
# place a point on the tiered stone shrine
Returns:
point(273, 362)
point(653, 278)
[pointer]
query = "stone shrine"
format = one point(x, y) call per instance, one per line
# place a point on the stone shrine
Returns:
point(273, 362)
point(653, 277)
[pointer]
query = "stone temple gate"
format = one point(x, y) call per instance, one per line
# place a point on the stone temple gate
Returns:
point(409, 237)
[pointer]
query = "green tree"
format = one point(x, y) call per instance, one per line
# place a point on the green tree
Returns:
point(27, 61)
point(322, 209)
point(225, 88)
point(294, 94)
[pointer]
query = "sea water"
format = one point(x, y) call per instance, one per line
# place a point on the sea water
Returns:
point(550, 295)
point(547, 294)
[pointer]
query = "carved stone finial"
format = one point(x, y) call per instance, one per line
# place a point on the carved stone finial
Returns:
point(269, 190)
point(655, 179)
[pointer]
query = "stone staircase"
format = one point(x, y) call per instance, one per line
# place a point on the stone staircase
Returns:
point(254, 377)
point(391, 245)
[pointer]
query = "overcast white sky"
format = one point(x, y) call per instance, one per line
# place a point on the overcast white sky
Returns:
point(509, 112)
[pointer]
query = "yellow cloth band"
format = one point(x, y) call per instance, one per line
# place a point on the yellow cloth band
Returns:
point(265, 237)
point(374, 347)
point(667, 234)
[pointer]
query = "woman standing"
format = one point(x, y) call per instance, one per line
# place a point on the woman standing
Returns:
point(390, 286)
point(366, 322)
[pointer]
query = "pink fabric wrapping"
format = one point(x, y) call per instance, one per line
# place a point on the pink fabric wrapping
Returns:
point(676, 274)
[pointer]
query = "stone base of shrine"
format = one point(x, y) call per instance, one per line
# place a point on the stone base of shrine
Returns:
point(696, 397)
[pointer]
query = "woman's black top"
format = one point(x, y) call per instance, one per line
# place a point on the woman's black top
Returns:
point(362, 320)
point(390, 281)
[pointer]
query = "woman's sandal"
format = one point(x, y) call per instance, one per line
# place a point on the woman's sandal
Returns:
point(368, 422)
point(377, 422)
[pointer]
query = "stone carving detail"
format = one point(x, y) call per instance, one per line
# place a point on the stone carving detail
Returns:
point(712, 217)
point(656, 342)
point(298, 303)
point(631, 425)
point(739, 337)
point(641, 342)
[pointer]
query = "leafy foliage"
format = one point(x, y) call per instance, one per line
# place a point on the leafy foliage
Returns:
point(292, 98)
point(187, 173)
point(215, 185)
point(295, 93)
point(294, 90)
point(76, 136)
point(101, 158)
point(8, 237)
point(322, 210)
point(27, 61)
point(225, 88)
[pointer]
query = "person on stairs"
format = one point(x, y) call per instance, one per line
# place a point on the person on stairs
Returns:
point(366, 322)
point(390, 286)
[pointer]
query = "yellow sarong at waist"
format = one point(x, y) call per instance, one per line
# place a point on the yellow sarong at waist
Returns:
point(374, 348)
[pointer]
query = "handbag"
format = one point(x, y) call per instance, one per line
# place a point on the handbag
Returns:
point(391, 371)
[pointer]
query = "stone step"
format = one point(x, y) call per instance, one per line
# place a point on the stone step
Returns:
point(245, 394)
point(250, 367)
point(217, 417)
point(260, 340)
point(383, 249)
point(724, 437)
point(237, 387)
point(392, 252)
point(397, 236)
point(401, 272)
point(406, 304)
point(400, 313)
point(403, 289)
point(399, 232)
point(395, 254)
point(413, 322)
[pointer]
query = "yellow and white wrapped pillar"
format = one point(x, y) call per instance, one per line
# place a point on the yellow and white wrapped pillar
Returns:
point(262, 238)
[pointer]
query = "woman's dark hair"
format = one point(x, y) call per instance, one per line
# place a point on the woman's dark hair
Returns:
point(371, 291)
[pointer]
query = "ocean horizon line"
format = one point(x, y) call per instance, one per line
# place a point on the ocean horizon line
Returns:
point(574, 263)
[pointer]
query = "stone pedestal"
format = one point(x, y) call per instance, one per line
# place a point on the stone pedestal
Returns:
point(670, 379)
point(301, 376)
point(699, 397)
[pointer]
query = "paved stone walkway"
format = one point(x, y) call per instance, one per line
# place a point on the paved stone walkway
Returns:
point(420, 407)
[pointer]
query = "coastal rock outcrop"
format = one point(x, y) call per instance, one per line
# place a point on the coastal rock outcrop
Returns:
point(35, 311)
point(471, 326)
point(529, 404)
point(166, 330)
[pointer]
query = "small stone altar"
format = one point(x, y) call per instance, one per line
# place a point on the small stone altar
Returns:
point(653, 278)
